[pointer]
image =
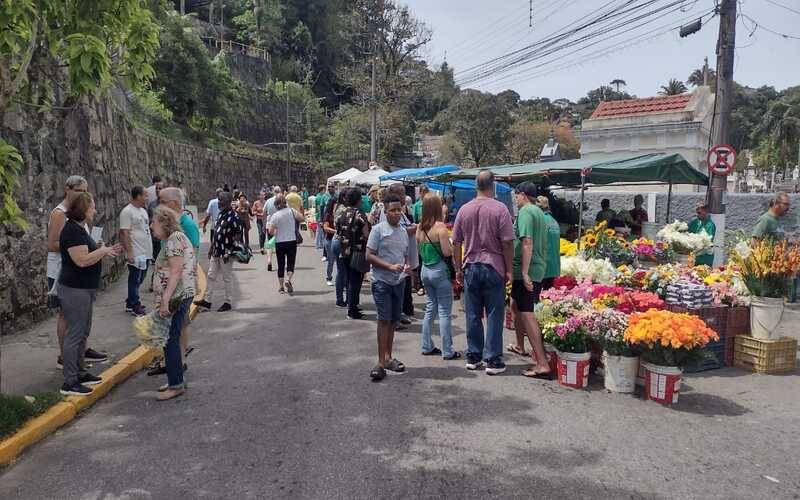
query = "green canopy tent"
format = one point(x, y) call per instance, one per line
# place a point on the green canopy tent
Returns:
point(659, 168)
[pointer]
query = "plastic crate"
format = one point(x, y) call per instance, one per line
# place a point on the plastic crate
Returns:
point(716, 317)
point(765, 356)
point(738, 322)
point(715, 358)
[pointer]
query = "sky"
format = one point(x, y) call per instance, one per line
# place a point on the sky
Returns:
point(474, 31)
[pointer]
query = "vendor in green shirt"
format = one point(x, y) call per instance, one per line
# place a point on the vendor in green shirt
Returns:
point(768, 225)
point(605, 213)
point(304, 195)
point(703, 223)
point(553, 257)
point(416, 208)
point(530, 266)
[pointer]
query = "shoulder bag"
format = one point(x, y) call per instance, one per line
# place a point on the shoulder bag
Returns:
point(447, 260)
point(358, 256)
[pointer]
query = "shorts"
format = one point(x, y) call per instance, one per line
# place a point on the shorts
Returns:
point(52, 298)
point(388, 300)
point(547, 283)
point(525, 299)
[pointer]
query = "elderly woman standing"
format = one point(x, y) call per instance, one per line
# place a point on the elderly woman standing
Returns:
point(77, 287)
point(283, 224)
point(174, 290)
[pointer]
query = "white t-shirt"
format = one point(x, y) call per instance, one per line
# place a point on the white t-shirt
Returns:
point(284, 223)
point(135, 220)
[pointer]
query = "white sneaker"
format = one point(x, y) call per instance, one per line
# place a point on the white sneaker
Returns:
point(324, 259)
point(329, 283)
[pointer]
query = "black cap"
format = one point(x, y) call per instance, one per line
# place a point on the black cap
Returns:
point(529, 189)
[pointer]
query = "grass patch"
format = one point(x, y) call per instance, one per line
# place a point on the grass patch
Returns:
point(16, 410)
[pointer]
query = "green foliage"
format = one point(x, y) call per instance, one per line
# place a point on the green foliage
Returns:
point(152, 102)
point(480, 121)
point(89, 68)
point(10, 167)
point(451, 151)
point(673, 87)
point(16, 410)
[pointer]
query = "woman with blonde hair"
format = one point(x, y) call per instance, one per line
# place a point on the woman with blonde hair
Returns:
point(433, 241)
point(175, 276)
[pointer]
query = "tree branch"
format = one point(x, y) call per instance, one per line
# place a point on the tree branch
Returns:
point(22, 74)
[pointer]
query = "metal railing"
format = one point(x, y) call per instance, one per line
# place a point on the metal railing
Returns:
point(236, 48)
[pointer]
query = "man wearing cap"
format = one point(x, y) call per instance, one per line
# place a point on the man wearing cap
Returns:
point(530, 265)
point(484, 231)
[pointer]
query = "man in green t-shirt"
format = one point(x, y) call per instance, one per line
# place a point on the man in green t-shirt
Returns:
point(768, 225)
point(530, 265)
point(553, 258)
point(605, 213)
point(304, 195)
point(319, 209)
point(416, 208)
point(703, 223)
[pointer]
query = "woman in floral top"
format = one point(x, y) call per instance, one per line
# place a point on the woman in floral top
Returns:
point(352, 230)
point(174, 289)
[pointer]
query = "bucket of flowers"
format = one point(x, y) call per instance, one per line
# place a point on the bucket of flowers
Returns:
point(683, 242)
point(668, 341)
point(766, 266)
point(570, 340)
point(620, 359)
point(650, 253)
point(602, 242)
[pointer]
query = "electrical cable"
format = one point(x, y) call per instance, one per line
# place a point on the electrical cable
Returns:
point(773, 2)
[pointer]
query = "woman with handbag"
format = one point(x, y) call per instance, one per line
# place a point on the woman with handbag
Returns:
point(175, 275)
point(437, 272)
point(283, 224)
point(352, 230)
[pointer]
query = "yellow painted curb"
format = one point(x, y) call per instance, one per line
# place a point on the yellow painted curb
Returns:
point(36, 429)
point(62, 413)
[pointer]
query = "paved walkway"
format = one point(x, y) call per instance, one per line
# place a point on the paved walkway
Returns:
point(279, 405)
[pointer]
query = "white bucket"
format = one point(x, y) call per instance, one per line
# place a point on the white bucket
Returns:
point(662, 383)
point(765, 316)
point(620, 372)
point(649, 230)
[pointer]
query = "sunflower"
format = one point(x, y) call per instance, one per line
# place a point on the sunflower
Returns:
point(610, 232)
point(591, 240)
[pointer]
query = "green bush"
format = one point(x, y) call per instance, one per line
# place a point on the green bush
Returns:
point(16, 410)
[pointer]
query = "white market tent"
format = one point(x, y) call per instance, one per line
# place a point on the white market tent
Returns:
point(344, 177)
point(370, 178)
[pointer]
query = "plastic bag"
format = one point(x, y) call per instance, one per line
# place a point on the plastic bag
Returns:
point(152, 330)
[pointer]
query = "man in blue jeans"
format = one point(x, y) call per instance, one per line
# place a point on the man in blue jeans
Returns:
point(387, 252)
point(483, 229)
point(134, 234)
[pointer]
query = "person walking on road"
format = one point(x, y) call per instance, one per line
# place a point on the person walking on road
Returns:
point(75, 184)
point(228, 236)
point(483, 228)
point(530, 266)
point(330, 231)
point(433, 241)
point(134, 234)
point(212, 214)
point(352, 230)
point(245, 213)
point(294, 200)
point(258, 213)
point(269, 211)
point(336, 250)
point(387, 252)
point(77, 287)
point(282, 225)
point(174, 290)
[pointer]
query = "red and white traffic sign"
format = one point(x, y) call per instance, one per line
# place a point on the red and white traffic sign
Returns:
point(721, 159)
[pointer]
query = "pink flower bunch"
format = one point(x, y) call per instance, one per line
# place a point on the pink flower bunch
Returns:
point(575, 324)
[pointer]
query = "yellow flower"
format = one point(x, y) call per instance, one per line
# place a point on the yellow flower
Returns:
point(610, 232)
point(591, 240)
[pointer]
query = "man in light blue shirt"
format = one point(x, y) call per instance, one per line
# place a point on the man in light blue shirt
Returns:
point(387, 252)
point(212, 214)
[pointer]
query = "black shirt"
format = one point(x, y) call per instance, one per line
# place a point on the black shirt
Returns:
point(73, 276)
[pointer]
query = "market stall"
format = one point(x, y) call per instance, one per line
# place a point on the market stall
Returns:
point(344, 177)
point(370, 178)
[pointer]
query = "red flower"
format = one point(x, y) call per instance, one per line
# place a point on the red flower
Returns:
point(567, 282)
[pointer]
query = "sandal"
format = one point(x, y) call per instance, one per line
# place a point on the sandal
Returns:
point(454, 356)
point(395, 366)
point(377, 373)
point(516, 350)
point(532, 373)
point(433, 352)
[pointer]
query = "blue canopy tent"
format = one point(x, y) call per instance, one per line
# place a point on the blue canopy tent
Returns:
point(408, 174)
point(464, 190)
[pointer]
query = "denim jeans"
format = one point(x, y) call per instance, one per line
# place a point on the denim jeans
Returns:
point(329, 267)
point(135, 279)
point(341, 272)
point(484, 289)
point(439, 296)
point(319, 238)
point(173, 360)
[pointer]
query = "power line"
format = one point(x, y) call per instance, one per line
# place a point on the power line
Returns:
point(768, 30)
point(773, 2)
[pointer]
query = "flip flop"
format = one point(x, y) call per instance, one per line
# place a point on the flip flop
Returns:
point(516, 350)
point(542, 376)
point(433, 352)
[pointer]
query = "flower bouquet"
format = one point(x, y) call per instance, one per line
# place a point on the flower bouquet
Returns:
point(568, 248)
point(766, 266)
point(597, 270)
point(646, 250)
point(667, 338)
point(151, 329)
point(677, 235)
point(602, 242)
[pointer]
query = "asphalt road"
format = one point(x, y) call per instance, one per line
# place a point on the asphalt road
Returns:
point(280, 405)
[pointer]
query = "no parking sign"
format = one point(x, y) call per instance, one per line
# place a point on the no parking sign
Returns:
point(721, 159)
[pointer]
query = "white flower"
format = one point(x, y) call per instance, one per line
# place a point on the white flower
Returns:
point(598, 270)
point(743, 249)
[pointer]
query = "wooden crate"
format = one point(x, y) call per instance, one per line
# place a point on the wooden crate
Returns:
point(765, 356)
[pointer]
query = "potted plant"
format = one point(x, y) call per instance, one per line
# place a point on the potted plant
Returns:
point(650, 253)
point(563, 328)
point(620, 359)
point(668, 341)
point(683, 242)
point(766, 267)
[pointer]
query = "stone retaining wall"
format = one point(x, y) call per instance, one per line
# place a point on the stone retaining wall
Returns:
point(98, 142)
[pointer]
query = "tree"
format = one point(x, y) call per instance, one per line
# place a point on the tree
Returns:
point(673, 87)
point(617, 83)
point(526, 139)
point(696, 78)
point(780, 129)
point(480, 122)
point(594, 97)
point(451, 151)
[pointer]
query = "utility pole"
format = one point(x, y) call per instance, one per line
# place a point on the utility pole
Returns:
point(719, 184)
point(288, 140)
point(373, 115)
point(183, 7)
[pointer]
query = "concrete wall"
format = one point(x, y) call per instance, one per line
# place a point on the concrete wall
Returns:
point(743, 209)
point(98, 142)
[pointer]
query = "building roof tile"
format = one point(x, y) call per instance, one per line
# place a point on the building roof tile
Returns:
point(644, 106)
